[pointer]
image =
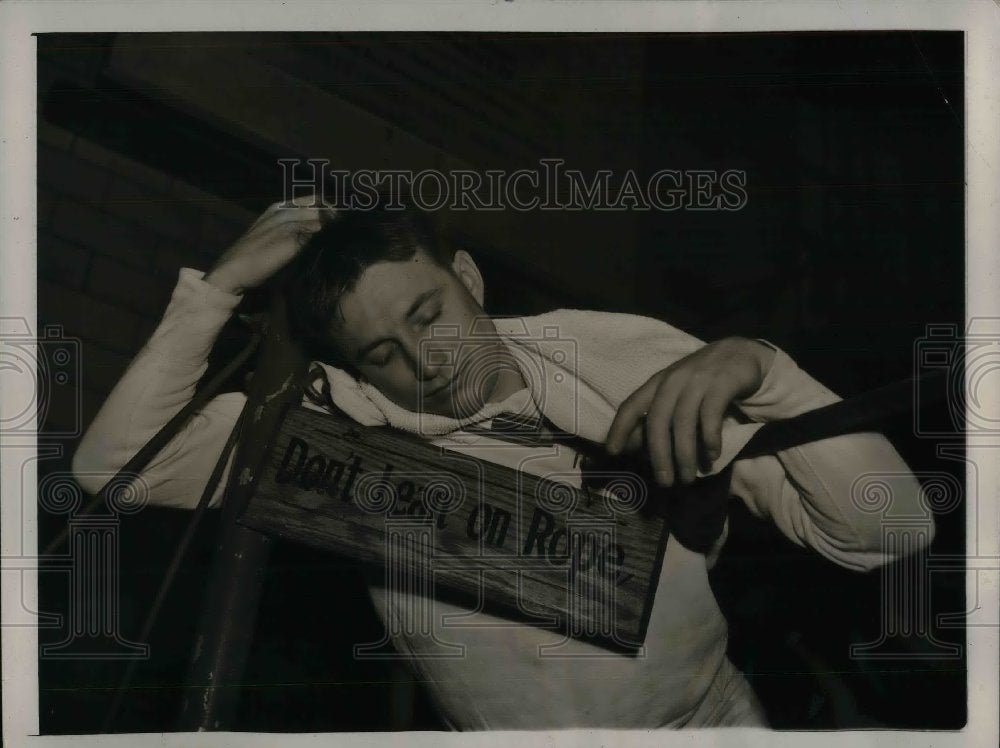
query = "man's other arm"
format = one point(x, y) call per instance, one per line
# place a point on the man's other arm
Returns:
point(809, 491)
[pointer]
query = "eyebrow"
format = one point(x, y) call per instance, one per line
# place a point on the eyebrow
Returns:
point(414, 307)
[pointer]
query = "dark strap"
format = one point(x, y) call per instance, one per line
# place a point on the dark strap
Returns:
point(161, 438)
point(862, 412)
point(175, 563)
point(696, 513)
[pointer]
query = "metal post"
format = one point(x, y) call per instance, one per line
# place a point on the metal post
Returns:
point(232, 598)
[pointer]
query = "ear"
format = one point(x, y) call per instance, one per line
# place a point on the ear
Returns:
point(467, 271)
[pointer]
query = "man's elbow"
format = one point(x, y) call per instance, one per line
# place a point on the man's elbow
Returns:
point(89, 470)
point(907, 526)
point(915, 528)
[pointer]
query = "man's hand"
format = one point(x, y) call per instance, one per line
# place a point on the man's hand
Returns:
point(687, 398)
point(268, 245)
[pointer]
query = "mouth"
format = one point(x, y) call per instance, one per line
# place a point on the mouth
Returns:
point(440, 390)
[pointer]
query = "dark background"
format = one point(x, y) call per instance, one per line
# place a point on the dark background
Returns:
point(155, 151)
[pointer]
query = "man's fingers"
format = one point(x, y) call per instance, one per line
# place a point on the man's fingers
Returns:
point(307, 228)
point(685, 432)
point(659, 433)
point(314, 203)
point(303, 213)
point(281, 219)
point(309, 200)
point(286, 228)
point(271, 210)
point(636, 437)
point(629, 414)
point(260, 219)
point(713, 409)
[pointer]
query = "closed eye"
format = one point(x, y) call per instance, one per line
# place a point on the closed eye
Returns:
point(383, 359)
point(431, 320)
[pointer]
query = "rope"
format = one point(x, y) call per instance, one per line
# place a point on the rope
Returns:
point(174, 567)
point(162, 437)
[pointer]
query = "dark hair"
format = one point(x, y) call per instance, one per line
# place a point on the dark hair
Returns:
point(333, 259)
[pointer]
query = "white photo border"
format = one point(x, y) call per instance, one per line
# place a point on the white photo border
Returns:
point(19, 19)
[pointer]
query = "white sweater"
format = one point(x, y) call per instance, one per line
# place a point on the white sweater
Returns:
point(500, 681)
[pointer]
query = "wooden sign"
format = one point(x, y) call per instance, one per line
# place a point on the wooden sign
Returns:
point(528, 548)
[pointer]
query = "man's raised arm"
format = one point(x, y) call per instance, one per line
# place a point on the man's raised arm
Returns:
point(161, 380)
point(157, 384)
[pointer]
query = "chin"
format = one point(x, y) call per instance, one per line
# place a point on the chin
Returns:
point(469, 400)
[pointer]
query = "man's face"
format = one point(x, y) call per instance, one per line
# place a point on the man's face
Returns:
point(386, 331)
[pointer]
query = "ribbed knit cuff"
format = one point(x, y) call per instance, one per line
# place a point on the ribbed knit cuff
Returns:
point(786, 391)
point(196, 313)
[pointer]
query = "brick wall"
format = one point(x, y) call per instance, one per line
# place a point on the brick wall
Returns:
point(112, 236)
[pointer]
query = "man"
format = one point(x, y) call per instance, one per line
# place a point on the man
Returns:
point(369, 291)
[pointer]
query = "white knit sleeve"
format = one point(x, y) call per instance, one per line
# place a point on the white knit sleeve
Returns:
point(157, 384)
point(810, 491)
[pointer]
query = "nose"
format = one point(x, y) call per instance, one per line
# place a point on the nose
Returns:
point(426, 359)
point(427, 369)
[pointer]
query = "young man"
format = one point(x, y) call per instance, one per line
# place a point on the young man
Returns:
point(368, 292)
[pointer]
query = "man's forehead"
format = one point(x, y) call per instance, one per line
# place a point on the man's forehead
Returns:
point(391, 286)
point(384, 294)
